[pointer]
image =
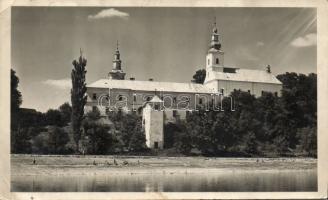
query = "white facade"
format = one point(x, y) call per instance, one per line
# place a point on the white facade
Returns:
point(153, 121)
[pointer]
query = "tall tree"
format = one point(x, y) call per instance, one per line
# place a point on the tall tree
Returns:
point(78, 97)
point(15, 98)
point(199, 76)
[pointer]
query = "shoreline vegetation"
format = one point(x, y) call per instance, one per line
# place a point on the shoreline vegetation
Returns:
point(73, 165)
point(264, 126)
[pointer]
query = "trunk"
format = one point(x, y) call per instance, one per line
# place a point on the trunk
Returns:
point(77, 146)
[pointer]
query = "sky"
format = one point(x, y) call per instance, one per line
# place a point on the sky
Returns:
point(166, 44)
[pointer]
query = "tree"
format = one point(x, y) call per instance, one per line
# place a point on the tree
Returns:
point(137, 141)
point(308, 140)
point(66, 112)
point(16, 96)
point(78, 97)
point(58, 138)
point(199, 76)
point(15, 101)
point(99, 137)
point(54, 117)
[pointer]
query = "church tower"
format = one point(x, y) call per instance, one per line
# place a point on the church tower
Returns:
point(215, 56)
point(117, 72)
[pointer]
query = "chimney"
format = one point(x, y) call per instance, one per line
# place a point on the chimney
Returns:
point(132, 78)
point(151, 79)
point(268, 69)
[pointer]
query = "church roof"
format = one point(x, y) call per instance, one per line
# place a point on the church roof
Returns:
point(151, 86)
point(245, 75)
point(156, 99)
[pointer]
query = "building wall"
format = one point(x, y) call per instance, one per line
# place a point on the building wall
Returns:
point(134, 100)
point(211, 59)
point(153, 123)
point(254, 88)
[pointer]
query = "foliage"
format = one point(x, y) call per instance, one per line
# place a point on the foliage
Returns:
point(16, 96)
point(98, 134)
point(58, 138)
point(199, 76)
point(54, 117)
point(267, 125)
point(78, 97)
point(130, 135)
point(15, 100)
point(66, 112)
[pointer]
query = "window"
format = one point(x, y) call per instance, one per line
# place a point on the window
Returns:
point(217, 61)
point(156, 145)
point(200, 100)
point(275, 94)
point(120, 97)
point(94, 96)
point(134, 98)
point(248, 91)
point(222, 91)
point(107, 97)
point(156, 107)
point(229, 70)
point(174, 99)
point(262, 92)
point(174, 113)
point(148, 98)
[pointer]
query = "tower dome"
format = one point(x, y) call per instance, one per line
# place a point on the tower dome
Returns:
point(215, 43)
point(117, 72)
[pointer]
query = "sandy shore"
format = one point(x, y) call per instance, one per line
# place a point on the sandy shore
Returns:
point(22, 165)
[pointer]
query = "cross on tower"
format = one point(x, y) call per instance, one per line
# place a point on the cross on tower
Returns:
point(81, 52)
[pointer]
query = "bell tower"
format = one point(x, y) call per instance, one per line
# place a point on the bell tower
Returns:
point(117, 72)
point(215, 56)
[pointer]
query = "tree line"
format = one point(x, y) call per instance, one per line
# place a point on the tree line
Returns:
point(262, 126)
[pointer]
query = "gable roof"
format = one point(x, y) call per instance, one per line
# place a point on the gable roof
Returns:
point(156, 99)
point(245, 75)
point(151, 86)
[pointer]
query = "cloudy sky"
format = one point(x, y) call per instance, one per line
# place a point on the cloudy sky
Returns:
point(167, 44)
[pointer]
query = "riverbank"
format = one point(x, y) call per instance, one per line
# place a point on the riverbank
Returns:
point(25, 165)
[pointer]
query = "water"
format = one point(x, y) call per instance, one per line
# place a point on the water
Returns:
point(227, 181)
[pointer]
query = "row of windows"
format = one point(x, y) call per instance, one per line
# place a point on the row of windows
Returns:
point(120, 97)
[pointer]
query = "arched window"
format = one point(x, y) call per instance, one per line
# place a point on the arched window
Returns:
point(217, 61)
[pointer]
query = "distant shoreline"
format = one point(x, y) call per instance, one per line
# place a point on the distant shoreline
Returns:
point(23, 165)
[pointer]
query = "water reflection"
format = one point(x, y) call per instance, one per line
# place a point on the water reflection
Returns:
point(265, 180)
